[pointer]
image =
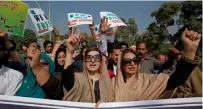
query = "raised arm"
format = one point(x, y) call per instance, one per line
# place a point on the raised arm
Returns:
point(187, 62)
point(42, 75)
point(92, 32)
point(71, 43)
point(57, 44)
point(56, 47)
point(56, 34)
point(49, 84)
point(68, 73)
point(115, 30)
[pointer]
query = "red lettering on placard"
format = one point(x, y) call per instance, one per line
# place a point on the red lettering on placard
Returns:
point(73, 22)
point(116, 21)
point(9, 4)
point(85, 20)
point(44, 30)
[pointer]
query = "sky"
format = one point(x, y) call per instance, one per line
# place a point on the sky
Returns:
point(139, 10)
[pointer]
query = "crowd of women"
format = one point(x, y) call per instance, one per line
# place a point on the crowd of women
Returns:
point(64, 72)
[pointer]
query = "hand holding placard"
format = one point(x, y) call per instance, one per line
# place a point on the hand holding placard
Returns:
point(113, 19)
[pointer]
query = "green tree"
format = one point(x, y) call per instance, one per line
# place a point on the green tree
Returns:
point(191, 18)
point(128, 33)
point(189, 14)
point(164, 17)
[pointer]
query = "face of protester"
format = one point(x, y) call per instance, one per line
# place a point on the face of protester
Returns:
point(123, 47)
point(93, 61)
point(114, 55)
point(129, 64)
point(49, 48)
point(162, 58)
point(141, 49)
point(61, 58)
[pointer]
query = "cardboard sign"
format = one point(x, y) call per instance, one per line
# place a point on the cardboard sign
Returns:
point(40, 21)
point(113, 19)
point(13, 16)
point(79, 19)
point(108, 35)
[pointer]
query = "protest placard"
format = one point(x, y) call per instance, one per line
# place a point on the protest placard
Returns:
point(79, 19)
point(108, 35)
point(13, 16)
point(113, 19)
point(40, 21)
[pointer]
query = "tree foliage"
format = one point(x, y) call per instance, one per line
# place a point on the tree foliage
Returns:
point(128, 33)
point(185, 14)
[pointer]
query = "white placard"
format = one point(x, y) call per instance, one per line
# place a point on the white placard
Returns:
point(113, 19)
point(108, 35)
point(79, 19)
point(40, 21)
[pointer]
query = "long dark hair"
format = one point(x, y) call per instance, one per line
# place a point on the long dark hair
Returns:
point(59, 68)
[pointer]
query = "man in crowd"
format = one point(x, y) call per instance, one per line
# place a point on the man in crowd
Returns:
point(10, 79)
point(48, 46)
point(147, 63)
point(114, 58)
point(123, 46)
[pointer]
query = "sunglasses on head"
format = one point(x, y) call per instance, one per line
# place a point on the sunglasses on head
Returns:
point(44, 62)
point(89, 58)
point(128, 60)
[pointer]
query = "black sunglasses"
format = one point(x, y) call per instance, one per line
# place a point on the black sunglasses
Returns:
point(129, 60)
point(44, 62)
point(97, 58)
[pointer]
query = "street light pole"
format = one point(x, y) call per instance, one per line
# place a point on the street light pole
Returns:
point(49, 19)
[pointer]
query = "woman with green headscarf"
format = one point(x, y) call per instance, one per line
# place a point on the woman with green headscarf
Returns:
point(39, 82)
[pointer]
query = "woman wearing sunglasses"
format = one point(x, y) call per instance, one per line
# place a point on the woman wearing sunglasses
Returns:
point(132, 85)
point(91, 85)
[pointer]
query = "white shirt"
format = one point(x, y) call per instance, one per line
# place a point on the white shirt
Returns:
point(10, 81)
point(114, 69)
point(103, 43)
